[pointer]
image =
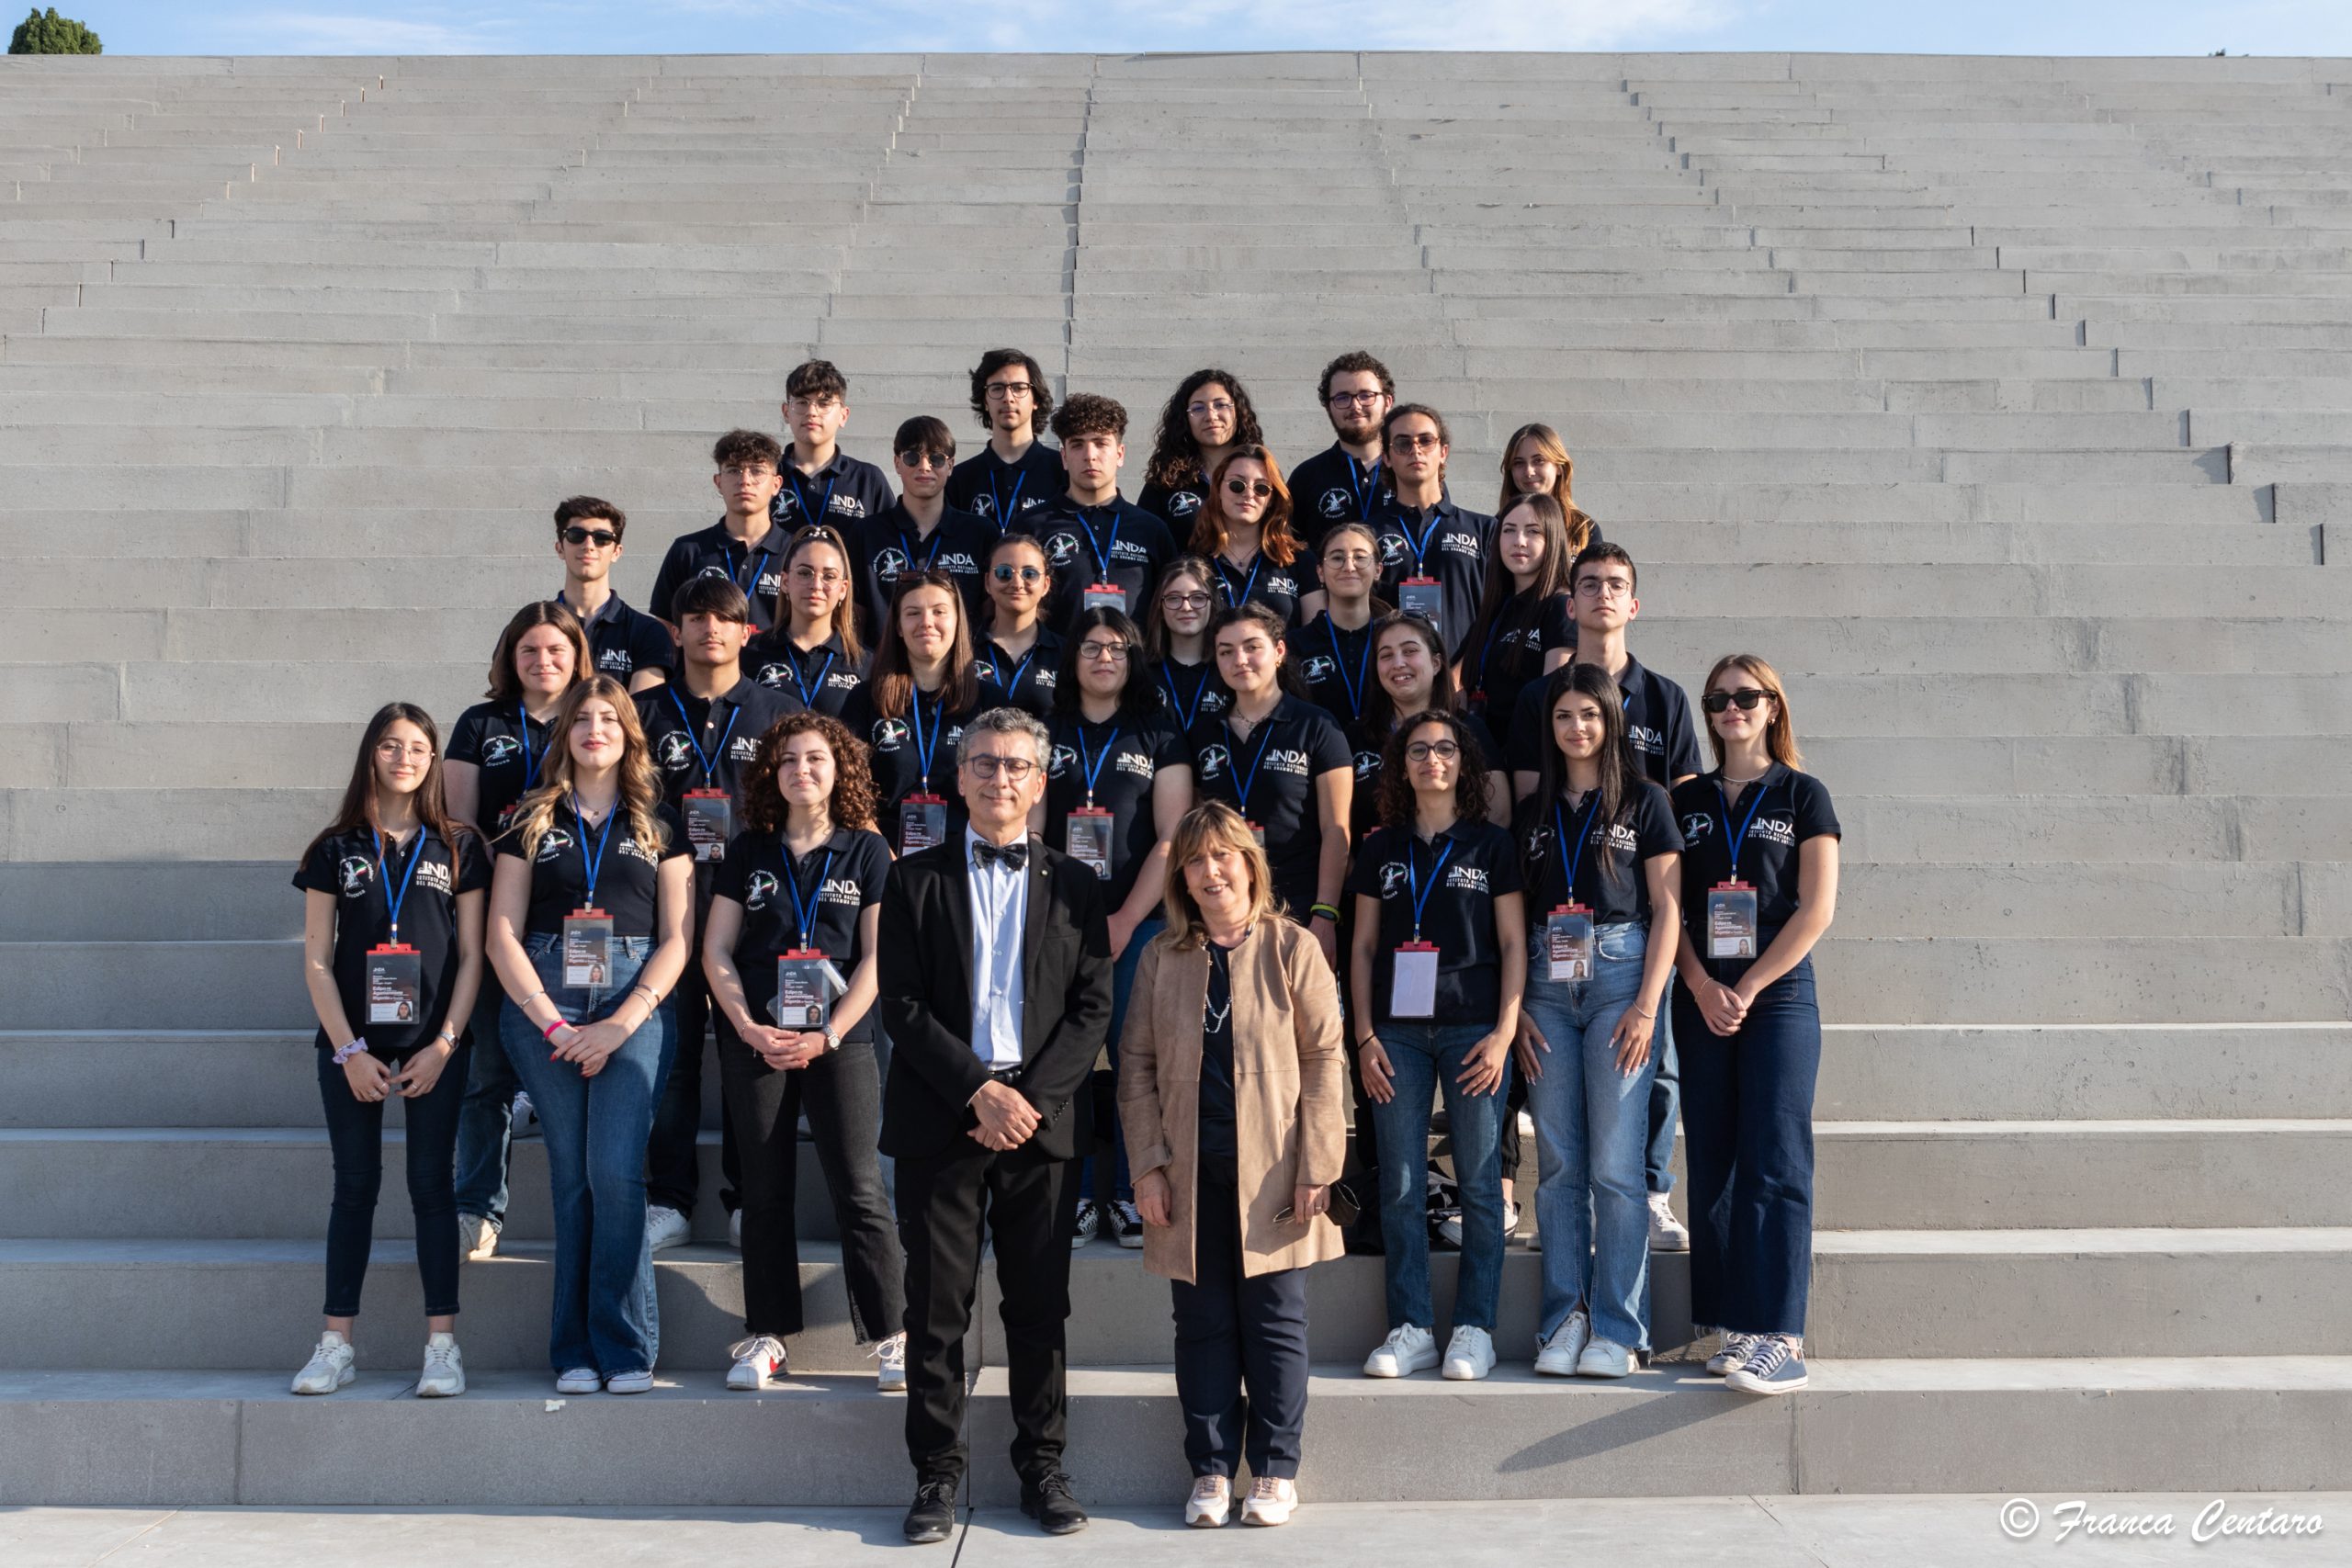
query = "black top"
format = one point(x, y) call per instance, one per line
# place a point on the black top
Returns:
point(627, 886)
point(344, 865)
point(898, 748)
point(707, 742)
point(1191, 692)
point(1371, 756)
point(995, 490)
point(509, 746)
point(844, 492)
point(1657, 726)
point(1336, 664)
point(1480, 865)
point(835, 885)
point(1217, 1140)
point(1270, 779)
point(1443, 542)
point(890, 544)
point(1125, 756)
point(1789, 807)
point(624, 641)
point(1027, 681)
point(1117, 542)
point(1331, 487)
point(820, 678)
point(1279, 588)
point(1510, 655)
point(714, 552)
point(1611, 877)
point(1176, 505)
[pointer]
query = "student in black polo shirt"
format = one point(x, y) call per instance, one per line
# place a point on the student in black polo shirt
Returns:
point(632, 648)
point(1176, 642)
point(1094, 540)
point(702, 730)
point(922, 531)
point(1409, 677)
point(1118, 781)
point(1335, 644)
point(821, 482)
point(1759, 886)
point(1021, 655)
point(920, 692)
point(804, 877)
point(1205, 421)
point(1432, 553)
point(1536, 462)
point(1015, 471)
point(393, 892)
point(815, 660)
point(1244, 533)
point(1523, 630)
point(1279, 760)
point(1343, 483)
point(744, 545)
point(1437, 968)
point(1603, 867)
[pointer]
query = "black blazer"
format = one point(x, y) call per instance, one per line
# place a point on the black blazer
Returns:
point(924, 960)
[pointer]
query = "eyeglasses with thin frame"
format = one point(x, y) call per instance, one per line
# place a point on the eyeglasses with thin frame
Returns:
point(818, 401)
point(1415, 441)
point(1104, 652)
point(1594, 586)
point(806, 575)
point(1422, 750)
point(1746, 697)
point(602, 538)
point(1246, 488)
point(394, 750)
point(989, 765)
point(1010, 574)
point(1005, 392)
point(1216, 406)
point(754, 471)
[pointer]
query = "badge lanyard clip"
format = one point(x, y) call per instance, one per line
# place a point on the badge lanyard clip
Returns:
point(1567, 930)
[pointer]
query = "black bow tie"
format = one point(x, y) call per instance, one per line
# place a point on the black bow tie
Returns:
point(1014, 854)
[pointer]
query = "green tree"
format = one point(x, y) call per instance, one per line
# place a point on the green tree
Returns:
point(51, 34)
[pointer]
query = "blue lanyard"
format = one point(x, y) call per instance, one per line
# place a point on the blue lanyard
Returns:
point(530, 764)
point(1560, 842)
point(1364, 663)
point(710, 762)
point(1225, 581)
point(1176, 698)
point(1421, 548)
point(802, 913)
point(1104, 551)
point(1413, 870)
point(1094, 766)
point(595, 868)
point(938, 538)
point(384, 875)
point(1003, 516)
point(924, 750)
point(1265, 734)
point(802, 496)
point(1365, 481)
point(752, 564)
point(792, 662)
point(1019, 670)
point(1755, 804)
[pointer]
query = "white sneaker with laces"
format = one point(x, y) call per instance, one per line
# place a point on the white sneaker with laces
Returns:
point(445, 1370)
point(329, 1367)
point(1211, 1503)
point(665, 1227)
point(1089, 1221)
point(629, 1382)
point(578, 1380)
point(1605, 1358)
point(1667, 1233)
point(1409, 1348)
point(1469, 1355)
point(477, 1237)
point(1270, 1502)
point(757, 1359)
point(890, 1372)
point(1556, 1357)
point(1734, 1350)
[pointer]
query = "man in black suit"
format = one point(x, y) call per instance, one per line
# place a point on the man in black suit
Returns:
point(995, 960)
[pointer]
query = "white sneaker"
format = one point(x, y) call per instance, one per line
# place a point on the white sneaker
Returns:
point(757, 1359)
point(1409, 1348)
point(1526, 1125)
point(1469, 1355)
point(1449, 1229)
point(578, 1380)
point(521, 1121)
point(1667, 1233)
point(1736, 1349)
point(665, 1227)
point(1211, 1503)
point(329, 1367)
point(1556, 1357)
point(477, 1237)
point(1605, 1358)
point(735, 1230)
point(445, 1370)
point(1270, 1502)
point(890, 1372)
point(630, 1383)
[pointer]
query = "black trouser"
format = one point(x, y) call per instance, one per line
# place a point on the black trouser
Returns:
point(1235, 1333)
point(673, 1169)
point(843, 1094)
point(356, 1134)
point(1027, 1203)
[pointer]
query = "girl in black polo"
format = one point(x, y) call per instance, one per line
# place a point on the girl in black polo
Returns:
point(1176, 642)
point(922, 690)
point(1021, 655)
point(1523, 630)
point(1409, 676)
point(1536, 462)
point(1207, 419)
point(1759, 886)
point(1244, 533)
point(1334, 646)
point(1437, 968)
point(392, 951)
point(805, 877)
point(813, 655)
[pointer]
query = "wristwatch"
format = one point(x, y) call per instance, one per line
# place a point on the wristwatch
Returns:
point(832, 1041)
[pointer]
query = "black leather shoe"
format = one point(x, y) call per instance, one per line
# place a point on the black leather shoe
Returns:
point(933, 1518)
point(1047, 1500)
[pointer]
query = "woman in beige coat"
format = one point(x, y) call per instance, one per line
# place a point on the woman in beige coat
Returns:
point(1232, 1092)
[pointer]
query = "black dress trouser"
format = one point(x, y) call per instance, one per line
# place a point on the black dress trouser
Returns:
point(1240, 1345)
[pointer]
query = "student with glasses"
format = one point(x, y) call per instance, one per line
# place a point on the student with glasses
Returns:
point(1335, 643)
point(1345, 482)
point(744, 545)
point(1205, 422)
point(1536, 462)
point(1760, 888)
point(1176, 642)
point(821, 482)
point(1023, 656)
point(1015, 472)
point(1244, 533)
point(923, 530)
point(632, 648)
point(922, 689)
point(815, 660)
point(1433, 553)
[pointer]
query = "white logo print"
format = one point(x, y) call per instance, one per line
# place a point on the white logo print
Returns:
point(1214, 760)
point(1318, 668)
point(889, 734)
point(888, 564)
point(1466, 878)
point(1391, 549)
point(616, 660)
point(675, 751)
point(716, 571)
point(1063, 760)
point(1774, 830)
point(1392, 880)
point(434, 876)
point(772, 675)
point(745, 748)
point(1183, 503)
point(1334, 504)
point(1061, 549)
point(1367, 763)
point(984, 507)
point(354, 874)
point(1697, 825)
point(499, 749)
point(1287, 761)
point(1642, 737)
point(759, 890)
point(555, 843)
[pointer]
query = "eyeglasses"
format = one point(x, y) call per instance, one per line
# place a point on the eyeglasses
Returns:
point(1104, 652)
point(1746, 697)
point(1186, 601)
point(1604, 587)
point(748, 471)
point(1352, 560)
point(1247, 488)
point(1203, 411)
point(818, 402)
point(1005, 392)
point(603, 539)
point(394, 750)
point(988, 765)
point(1422, 750)
point(918, 458)
point(1355, 399)
point(1404, 441)
point(1018, 573)
point(805, 575)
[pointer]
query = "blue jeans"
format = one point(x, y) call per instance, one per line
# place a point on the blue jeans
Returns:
point(1666, 1102)
point(1122, 980)
point(486, 1117)
point(1591, 1204)
point(604, 1313)
point(1425, 1058)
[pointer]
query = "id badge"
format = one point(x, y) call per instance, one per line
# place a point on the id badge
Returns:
point(1258, 831)
point(1089, 838)
point(710, 822)
point(803, 998)
point(1731, 920)
point(1412, 990)
point(1422, 596)
point(1104, 595)
point(1567, 940)
point(922, 822)
point(395, 983)
point(588, 949)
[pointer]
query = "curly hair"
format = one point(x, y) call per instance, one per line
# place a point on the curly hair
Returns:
point(1393, 795)
point(853, 801)
point(998, 359)
point(1175, 454)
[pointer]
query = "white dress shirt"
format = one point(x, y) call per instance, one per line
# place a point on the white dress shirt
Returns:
point(999, 918)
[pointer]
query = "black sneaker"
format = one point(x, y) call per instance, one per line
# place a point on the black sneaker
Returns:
point(933, 1518)
point(1049, 1501)
point(1127, 1225)
point(1089, 1221)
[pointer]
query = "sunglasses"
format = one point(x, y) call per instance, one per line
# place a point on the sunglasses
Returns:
point(1019, 573)
point(1413, 442)
point(1746, 697)
point(1249, 487)
point(601, 538)
point(916, 458)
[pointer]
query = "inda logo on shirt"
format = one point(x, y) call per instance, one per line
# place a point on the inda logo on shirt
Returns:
point(635, 851)
point(1781, 830)
point(615, 661)
point(1286, 760)
point(1461, 542)
point(841, 890)
point(1215, 760)
point(674, 751)
point(1642, 738)
point(355, 874)
point(758, 888)
point(434, 876)
point(744, 748)
point(1466, 878)
point(501, 750)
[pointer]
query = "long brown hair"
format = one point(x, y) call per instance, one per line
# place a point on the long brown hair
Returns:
point(505, 687)
point(640, 784)
point(1155, 619)
point(892, 677)
point(852, 805)
point(359, 807)
point(1394, 793)
point(1379, 707)
point(845, 613)
point(1620, 775)
point(1781, 735)
point(1504, 607)
point(1555, 451)
point(1212, 532)
point(1212, 825)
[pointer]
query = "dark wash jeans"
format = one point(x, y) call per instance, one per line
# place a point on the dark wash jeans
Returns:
point(1240, 1345)
point(356, 1134)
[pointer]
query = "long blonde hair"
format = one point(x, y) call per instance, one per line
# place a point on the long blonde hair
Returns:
point(1781, 735)
point(1213, 824)
point(640, 784)
point(1555, 451)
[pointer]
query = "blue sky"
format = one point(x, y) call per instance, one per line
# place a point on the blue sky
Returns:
point(601, 26)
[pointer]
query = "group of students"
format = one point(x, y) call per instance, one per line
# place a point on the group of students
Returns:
point(1410, 734)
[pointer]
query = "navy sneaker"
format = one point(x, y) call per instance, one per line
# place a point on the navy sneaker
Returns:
point(1775, 1365)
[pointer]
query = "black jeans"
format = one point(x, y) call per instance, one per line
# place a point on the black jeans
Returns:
point(356, 1134)
point(673, 1169)
point(1235, 1334)
point(843, 1095)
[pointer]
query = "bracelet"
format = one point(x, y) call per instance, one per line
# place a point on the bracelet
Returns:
point(652, 996)
point(358, 1047)
point(446, 1034)
point(1326, 910)
point(526, 1001)
point(548, 1032)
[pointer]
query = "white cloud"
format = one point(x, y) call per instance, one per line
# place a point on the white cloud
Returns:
point(315, 33)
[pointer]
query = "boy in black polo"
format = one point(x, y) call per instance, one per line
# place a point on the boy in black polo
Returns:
point(1345, 482)
point(1014, 472)
point(1603, 587)
point(1433, 554)
point(626, 643)
point(821, 482)
point(703, 731)
point(1103, 550)
point(744, 546)
point(922, 531)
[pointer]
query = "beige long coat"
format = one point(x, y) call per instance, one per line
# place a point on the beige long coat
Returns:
point(1290, 1091)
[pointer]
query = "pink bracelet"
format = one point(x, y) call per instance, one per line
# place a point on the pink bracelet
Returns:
point(548, 1032)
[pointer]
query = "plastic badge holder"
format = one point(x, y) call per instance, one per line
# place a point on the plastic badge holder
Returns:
point(806, 985)
point(587, 950)
point(1567, 937)
point(1089, 838)
point(922, 822)
point(1104, 595)
point(1422, 596)
point(1412, 990)
point(395, 983)
point(710, 822)
point(1731, 920)
point(1258, 831)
